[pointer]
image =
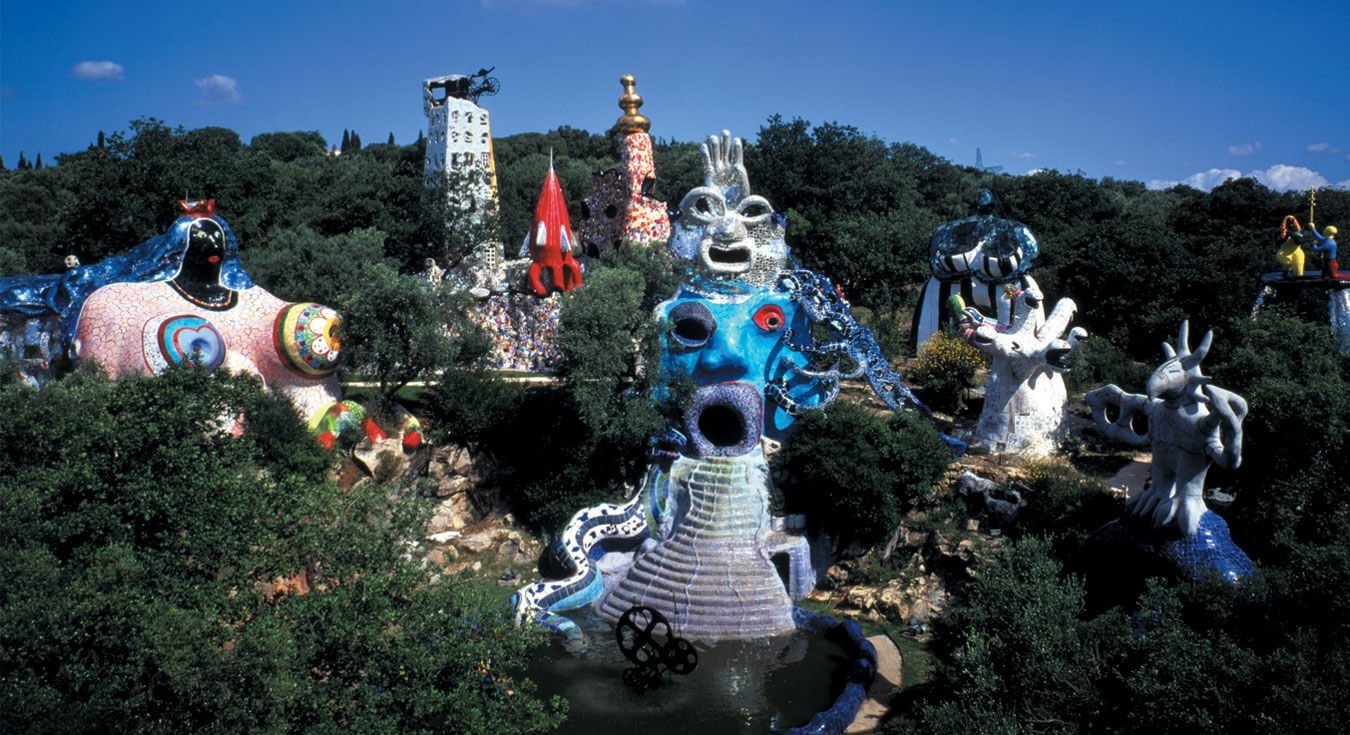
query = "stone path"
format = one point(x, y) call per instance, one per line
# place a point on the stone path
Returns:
point(1130, 479)
point(878, 701)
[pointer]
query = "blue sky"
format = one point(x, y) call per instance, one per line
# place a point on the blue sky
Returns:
point(1150, 91)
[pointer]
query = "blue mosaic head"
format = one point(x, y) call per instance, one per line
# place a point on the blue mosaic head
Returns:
point(732, 348)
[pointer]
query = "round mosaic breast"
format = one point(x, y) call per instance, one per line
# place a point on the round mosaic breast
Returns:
point(307, 338)
point(182, 339)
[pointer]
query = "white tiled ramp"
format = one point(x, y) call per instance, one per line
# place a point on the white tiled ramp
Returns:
point(712, 578)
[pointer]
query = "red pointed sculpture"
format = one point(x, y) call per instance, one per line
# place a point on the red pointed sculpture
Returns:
point(550, 241)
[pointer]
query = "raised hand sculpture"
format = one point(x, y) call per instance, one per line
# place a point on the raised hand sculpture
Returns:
point(1024, 400)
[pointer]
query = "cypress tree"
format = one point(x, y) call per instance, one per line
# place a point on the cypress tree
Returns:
point(100, 140)
point(346, 140)
point(38, 165)
point(23, 162)
point(356, 141)
point(391, 138)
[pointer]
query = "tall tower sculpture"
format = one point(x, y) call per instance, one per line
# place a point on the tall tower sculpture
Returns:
point(459, 134)
point(622, 205)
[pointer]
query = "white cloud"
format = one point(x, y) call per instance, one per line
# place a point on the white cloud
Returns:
point(1321, 148)
point(1023, 155)
point(98, 71)
point(1034, 171)
point(1343, 185)
point(1119, 162)
point(1283, 177)
point(1204, 181)
point(219, 89)
point(1244, 149)
point(952, 141)
point(1280, 177)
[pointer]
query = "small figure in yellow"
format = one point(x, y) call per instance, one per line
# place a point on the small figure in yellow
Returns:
point(1290, 256)
point(1326, 245)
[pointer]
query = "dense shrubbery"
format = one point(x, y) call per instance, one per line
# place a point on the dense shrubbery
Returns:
point(945, 369)
point(565, 448)
point(1062, 503)
point(1022, 656)
point(859, 494)
point(1297, 457)
point(137, 544)
point(1097, 362)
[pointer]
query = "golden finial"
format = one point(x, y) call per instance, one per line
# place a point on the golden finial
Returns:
point(632, 121)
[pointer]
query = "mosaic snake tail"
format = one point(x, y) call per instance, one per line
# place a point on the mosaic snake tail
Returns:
point(590, 534)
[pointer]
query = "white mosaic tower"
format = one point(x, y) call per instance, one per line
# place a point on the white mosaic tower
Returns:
point(459, 138)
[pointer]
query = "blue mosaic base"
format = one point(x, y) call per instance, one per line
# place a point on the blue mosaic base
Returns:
point(1209, 551)
point(836, 719)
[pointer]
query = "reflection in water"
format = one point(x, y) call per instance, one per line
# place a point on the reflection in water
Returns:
point(739, 687)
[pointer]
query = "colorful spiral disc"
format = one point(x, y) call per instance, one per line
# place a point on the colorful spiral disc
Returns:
point(182, 339)
point(306, 337)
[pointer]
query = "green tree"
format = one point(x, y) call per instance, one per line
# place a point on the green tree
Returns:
point(861, 494)
point(290, 146)
point(398, 329)
point(137, 550)
point(584, 443)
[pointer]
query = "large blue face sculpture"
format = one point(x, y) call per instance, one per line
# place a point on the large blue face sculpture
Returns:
point(732, 348)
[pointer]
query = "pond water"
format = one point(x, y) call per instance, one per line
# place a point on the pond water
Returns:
point(738, 688)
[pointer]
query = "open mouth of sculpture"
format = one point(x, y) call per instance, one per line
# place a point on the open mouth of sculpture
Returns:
point(723, 257)
point(725, 420)
point(980, 339)
point(1058, 358)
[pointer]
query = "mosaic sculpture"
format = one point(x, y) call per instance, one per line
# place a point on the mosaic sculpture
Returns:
point(549, 241)
point(39, 314)
point(728, 238)
point(459, 136)
point(974, 258)
point(1292, 276)
point(201, 318)
point(760, 341)
point(622, 206)
point(1024, 400)
point(1192, 424)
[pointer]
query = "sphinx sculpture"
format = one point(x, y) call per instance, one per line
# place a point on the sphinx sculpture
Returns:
point(1024, 400)
point(182, 298)
point(1192, 424)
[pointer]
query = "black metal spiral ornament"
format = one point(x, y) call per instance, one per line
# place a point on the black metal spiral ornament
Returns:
point(646, 639)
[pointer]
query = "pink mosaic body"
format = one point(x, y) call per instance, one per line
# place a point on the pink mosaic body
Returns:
point(112, 328)
point(645, 219)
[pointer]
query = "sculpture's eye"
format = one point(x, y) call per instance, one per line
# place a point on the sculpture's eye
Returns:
point(585, 210)
point(611, 211)
point(770, 318)
point(649, 187)
point(755, 207)
point(703, 204)
point(691, 324)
